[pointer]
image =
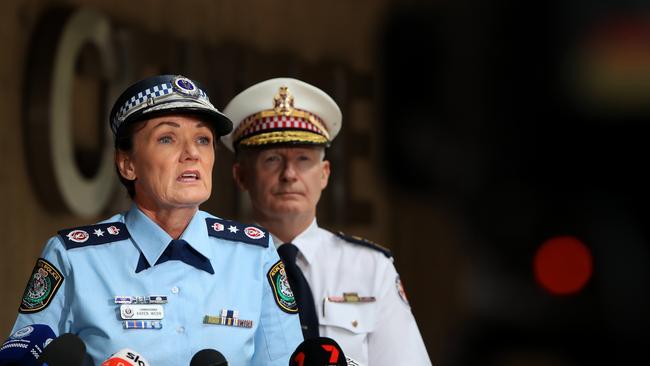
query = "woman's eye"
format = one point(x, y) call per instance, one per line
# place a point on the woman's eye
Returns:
point(204, 140)
point(165, 140)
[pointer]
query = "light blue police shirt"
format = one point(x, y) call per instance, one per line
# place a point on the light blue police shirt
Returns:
point(74, 285)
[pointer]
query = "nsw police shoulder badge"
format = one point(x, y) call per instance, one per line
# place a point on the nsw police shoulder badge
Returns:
point(41, 288)
point(279, 282)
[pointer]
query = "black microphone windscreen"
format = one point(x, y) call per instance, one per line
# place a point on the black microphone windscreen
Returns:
point(208, 357)
point(66, 350)
point(87, 360)
point(320, 351)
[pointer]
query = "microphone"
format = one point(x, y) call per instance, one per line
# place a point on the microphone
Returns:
point(319, 351)
point(26, 345)
point(352, 362)
point(66, 350)
point(208, 357)
point(126, 357)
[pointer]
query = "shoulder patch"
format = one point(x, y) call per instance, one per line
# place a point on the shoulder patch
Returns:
point(94, 234)
point(282, 292)
point(400, 290)
point(43, 284)
point(366, 243)
point(236, 231)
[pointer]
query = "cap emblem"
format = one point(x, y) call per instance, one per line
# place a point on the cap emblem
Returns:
point(185, 86)
point(283, 102)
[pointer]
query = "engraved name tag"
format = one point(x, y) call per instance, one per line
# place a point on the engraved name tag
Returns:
point(141, 312)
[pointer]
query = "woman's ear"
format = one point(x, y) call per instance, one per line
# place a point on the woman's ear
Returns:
point(125, 165)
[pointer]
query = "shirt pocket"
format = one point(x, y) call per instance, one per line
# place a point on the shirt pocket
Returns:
point(354, 317)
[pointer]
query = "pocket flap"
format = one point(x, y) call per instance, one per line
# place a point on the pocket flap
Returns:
point(356, 317)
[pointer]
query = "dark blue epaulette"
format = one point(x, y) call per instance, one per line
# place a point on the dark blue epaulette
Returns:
point(236, 231)
point(366, 243)
point(94, 234)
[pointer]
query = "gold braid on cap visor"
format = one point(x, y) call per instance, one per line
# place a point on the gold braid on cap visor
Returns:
point(279, 137)
point(282, 124)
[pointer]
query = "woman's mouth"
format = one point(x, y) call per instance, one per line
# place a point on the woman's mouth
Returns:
point(189, 176)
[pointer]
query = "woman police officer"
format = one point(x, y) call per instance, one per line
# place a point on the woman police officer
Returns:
point(164, 278)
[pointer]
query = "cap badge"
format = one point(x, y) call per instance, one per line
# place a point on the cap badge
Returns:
point(185, 86)
point(283, 101)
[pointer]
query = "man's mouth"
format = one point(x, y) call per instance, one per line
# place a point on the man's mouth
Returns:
point(287, 193)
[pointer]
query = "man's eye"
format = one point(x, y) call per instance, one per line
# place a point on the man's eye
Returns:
point(271, 159)
point(165, 140)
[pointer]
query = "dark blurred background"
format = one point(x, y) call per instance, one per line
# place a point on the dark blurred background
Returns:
point(497, 147)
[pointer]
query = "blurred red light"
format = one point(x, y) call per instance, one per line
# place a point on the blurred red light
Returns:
point(563, 265)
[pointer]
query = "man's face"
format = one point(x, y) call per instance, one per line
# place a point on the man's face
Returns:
point(283, 181)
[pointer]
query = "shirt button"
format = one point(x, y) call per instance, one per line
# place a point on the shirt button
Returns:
point(180, 329)
point(175, 290)
point(355, 323)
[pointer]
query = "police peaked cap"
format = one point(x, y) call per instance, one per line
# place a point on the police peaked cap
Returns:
point(165, 94)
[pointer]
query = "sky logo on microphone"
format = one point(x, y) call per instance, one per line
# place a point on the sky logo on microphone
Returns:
point(136, 359)
point(126, 357)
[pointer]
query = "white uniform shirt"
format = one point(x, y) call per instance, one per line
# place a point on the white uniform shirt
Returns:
point(375, 333)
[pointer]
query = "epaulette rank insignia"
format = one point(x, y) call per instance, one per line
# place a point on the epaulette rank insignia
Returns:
point(366, 243)
point(94, 234)
point(235, 231)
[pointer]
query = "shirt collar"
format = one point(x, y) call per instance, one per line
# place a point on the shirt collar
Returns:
point(152, 240)
point(196, 233)
point(307, 241)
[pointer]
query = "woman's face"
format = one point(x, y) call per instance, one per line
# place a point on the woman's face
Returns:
point(171, 162)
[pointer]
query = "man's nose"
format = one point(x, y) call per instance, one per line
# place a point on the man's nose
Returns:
point(288, 171)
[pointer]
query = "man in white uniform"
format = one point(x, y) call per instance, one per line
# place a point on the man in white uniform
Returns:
point(347, 288)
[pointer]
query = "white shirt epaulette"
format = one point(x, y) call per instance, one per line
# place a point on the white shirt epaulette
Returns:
point(365, 242)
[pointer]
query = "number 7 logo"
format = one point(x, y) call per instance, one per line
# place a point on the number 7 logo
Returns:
point(334, 353)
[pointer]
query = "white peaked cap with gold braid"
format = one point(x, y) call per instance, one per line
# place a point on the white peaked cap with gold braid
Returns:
point(282, 111)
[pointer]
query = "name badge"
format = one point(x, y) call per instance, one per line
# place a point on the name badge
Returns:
point(142, 312)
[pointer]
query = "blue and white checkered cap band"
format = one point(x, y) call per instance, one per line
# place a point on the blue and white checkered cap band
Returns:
point(153, 96)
